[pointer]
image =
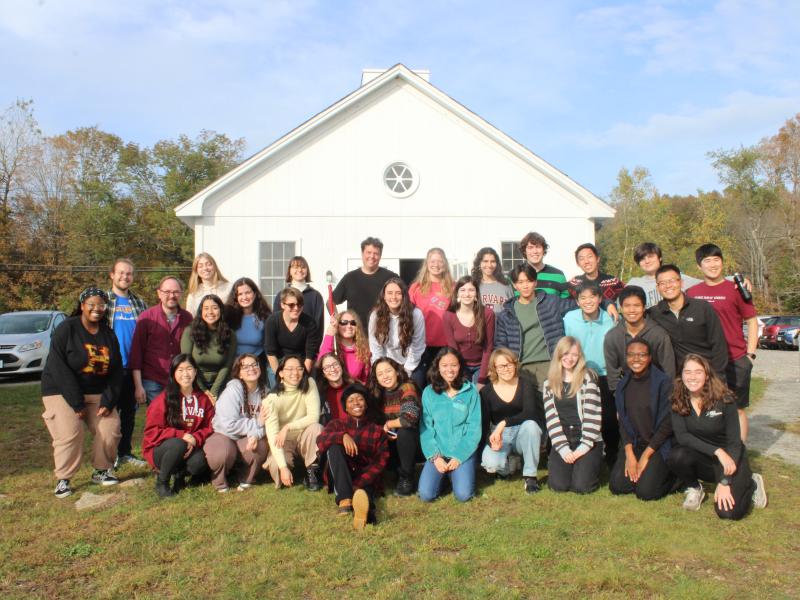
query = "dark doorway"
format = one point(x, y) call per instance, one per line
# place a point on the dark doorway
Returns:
point(409, 267)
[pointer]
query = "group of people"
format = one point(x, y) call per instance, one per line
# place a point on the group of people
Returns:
point(488, 370)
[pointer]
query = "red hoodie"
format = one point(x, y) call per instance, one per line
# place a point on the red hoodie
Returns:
point(197, 414)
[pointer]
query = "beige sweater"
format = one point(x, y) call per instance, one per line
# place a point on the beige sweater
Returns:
point(293, 408)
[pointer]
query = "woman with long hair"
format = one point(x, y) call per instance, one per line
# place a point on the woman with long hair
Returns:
point(177, 426)
point(397, 329)
point(345, 336)
point(399, 403)
point(469, 327)
point(513, 418)
point(493, 286)
point(332, 377)
point(205, 279)
point(239, 436)
point(298, 276)
point(706, 425)
point(573, 411)
point(246, 312)
point(450, 430)
point(80, 385)
point(212, 344)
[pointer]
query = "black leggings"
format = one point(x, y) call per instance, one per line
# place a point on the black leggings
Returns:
point(692, 466)
point(656, 482)
point(582, 476)
point(403, 451)
point(168, 458)
point(609, 424)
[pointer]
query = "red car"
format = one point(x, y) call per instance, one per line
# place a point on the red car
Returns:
point(774, 327)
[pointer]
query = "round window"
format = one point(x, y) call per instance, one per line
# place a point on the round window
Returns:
point(400, 180)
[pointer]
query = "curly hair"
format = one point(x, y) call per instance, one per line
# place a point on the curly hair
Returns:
point(360, 339)
point(477, 274)
point(202, 334)
point(435, 378)
point(714, 389)
point(234, 312)
point(405, 325)
point(477, 307)
point(423, 278)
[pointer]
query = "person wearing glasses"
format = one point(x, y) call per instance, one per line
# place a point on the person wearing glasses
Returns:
point(290, 331)
point(346, 337)
point(238, 441)
point(298, 276)
point(331, 377)
point(80, 384)
point(157, 340)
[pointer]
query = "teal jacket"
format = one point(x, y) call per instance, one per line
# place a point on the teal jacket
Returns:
point(450, 427)
point(591, 335)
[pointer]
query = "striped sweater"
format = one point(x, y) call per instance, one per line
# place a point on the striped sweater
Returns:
point(589, 412)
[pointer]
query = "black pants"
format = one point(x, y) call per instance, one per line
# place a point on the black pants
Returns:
point(656, 482)
point(692, 466)
point(343, 479)
point(403, 451)
point(126, 405)
point(168, 457)
point(581, 477)
point(420, 374)
point(609, 425)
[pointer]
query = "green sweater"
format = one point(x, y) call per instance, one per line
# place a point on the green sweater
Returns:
point(214, 364)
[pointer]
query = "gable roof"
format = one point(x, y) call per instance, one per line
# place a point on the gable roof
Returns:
point(597, 208)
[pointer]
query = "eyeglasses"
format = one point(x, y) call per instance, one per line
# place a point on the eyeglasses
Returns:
point(332, 367)
point(504, 366)
point(96, 306)
point(345, 323)
point(637, 354)
point(249, 366)
point(170, 292)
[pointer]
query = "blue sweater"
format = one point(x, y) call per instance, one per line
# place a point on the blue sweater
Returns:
point(450, 427)
point(591, 335)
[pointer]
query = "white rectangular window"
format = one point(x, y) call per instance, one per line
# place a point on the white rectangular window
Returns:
point(273, 261)
point(510, 255)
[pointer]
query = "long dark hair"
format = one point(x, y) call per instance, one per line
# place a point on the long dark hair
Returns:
point(201, 333)
point(435, 378)
point(234, 313)
point(302, 386)
point(174, 397)
point(377, 390)
point(261, 386)
point(322, 381)
point(477, 274)
point(405, 323)
point(714, 389)
point(477, 306)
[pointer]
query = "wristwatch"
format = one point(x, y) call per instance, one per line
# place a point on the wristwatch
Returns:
point(724, 481)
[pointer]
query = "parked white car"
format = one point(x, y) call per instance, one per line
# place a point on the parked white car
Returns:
point(25, 340)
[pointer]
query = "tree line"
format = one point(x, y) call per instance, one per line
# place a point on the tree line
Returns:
point(71, 202)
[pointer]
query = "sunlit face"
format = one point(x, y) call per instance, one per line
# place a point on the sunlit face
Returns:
point(292, 372)
point(448, 368)
point(393, 296)
point(467, 294)
point(93, 309)
point(650, 263)
point(185, 374)
point(488, 265)
point(526, 287)
point(435, 264)
point(210, 313)
point(506, 370)
point(122, 276)
point(386, 376)
point(587, 261)
point(249, 370)
point(534, 253)
point(570, 359)
point(347, 325)
point(371, 257)
point(632, 310)
point(205, 269)
point(331, 369)
point(589, 302)
point(170, 294)
point(245, 296)
point(637, 357)
point(298, 272)
point(693, 376)
point(669, 285)
point(711, 267)
point(355, 405)
point(292, 307)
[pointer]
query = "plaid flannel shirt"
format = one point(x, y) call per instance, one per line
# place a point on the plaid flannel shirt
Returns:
point(138, 306)
point(368, 465)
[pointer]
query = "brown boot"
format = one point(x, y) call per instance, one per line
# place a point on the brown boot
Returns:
point(345, 507)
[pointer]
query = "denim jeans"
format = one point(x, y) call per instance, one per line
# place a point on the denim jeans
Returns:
point(463, 480)
point(524, 439)
point(151, 389)
point(472, 373)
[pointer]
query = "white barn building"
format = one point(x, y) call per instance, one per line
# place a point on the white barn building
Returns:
point(396, 159)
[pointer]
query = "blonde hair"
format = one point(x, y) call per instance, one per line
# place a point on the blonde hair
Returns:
point(194, 278)
point(509, 355)
point(424, 279)
point(555, 373)
point(360, 339)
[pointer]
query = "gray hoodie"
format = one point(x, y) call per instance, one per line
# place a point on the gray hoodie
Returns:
point(614, 350)
point(230, 417)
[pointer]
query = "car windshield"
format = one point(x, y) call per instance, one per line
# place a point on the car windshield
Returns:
point(21, 323)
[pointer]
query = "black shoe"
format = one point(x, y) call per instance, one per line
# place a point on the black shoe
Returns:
point(313, 482)
point(178, 482)
point(405, 487)
point(62, 489)
point(532, 485)
point(163, 491)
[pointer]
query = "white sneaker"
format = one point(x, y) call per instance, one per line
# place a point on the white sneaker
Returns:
point(224, 490)
point(104, 477)
point(244, 486)
point(129, 459)
point(760, 493)
point(694, 498)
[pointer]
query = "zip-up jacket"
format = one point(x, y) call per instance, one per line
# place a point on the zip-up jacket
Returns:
point(660, 406)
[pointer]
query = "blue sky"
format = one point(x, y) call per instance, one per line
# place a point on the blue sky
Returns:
point(588, 86)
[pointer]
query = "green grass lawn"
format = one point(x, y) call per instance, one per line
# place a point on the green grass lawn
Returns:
point(288, 543)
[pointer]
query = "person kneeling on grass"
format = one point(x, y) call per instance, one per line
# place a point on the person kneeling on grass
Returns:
point(643, 399)
point(178, 424)
point(239, 426)
point(706, 425)
point(573, 410)
point(450, 430)
point(357, 451)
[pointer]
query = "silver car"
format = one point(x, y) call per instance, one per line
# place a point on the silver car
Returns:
point(25, 340)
